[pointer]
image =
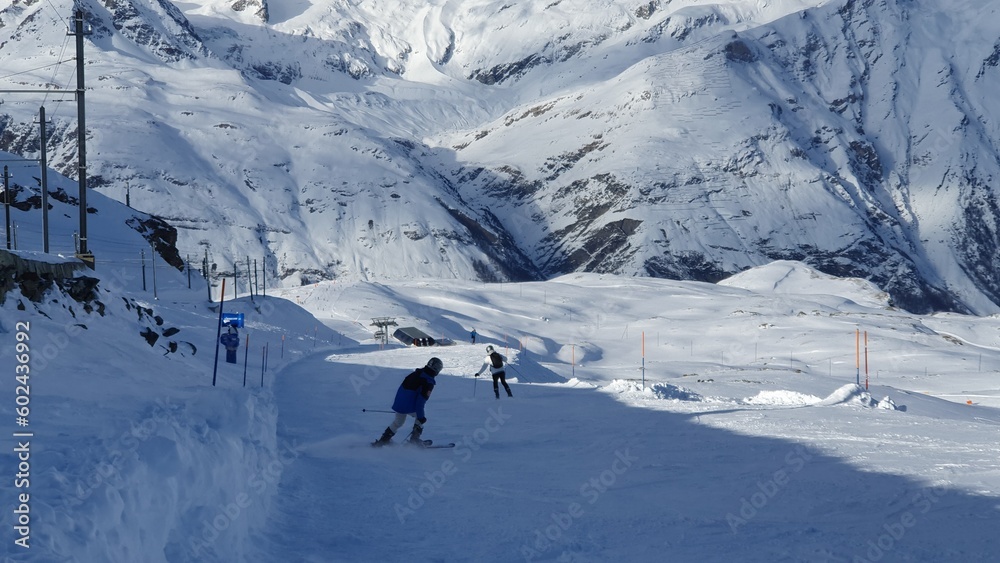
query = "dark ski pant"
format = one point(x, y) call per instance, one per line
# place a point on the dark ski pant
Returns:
point(502, 378)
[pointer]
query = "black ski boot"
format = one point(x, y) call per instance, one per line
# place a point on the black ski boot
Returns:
point(509, 394)
point(385, 439)
point(415, 436)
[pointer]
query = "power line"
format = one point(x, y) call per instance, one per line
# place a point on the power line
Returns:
point(26, 71)
point(57, 65)
point(56, 11)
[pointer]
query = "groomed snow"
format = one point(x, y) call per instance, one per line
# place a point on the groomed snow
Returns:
point(651, 420)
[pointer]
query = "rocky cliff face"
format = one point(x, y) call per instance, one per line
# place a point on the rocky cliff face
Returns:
point(827, 136)
point(494, 141)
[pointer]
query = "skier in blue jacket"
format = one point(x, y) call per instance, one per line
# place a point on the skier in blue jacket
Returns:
point(411, 397)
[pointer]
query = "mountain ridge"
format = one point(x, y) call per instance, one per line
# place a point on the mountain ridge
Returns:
point(477, 140)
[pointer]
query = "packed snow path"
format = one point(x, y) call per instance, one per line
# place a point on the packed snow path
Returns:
point(567, 472)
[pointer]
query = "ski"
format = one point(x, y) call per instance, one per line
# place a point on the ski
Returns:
point(427, 444)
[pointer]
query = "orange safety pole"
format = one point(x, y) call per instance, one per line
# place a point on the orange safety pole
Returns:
point(866, 360)
point(857, 356)
point(643, 360)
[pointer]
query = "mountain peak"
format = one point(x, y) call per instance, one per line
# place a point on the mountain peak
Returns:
point(680, 140)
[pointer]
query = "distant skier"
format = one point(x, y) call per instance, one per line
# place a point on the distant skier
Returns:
point(495, 362)
point(473, 335)
point(411, 396)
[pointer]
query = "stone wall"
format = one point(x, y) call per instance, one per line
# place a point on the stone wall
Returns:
point(34, 273)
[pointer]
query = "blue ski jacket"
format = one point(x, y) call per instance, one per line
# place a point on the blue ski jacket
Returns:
point(230, 341)
point(413, 393)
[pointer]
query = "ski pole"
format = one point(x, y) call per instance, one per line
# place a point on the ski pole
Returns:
point(476, 378)
point(375, 410)
point(519, 374)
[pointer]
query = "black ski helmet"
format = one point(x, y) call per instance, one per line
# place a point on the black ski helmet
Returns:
point(489, 349)
point(435, 365)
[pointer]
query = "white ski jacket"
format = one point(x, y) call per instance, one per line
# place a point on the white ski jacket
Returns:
point(488, 365)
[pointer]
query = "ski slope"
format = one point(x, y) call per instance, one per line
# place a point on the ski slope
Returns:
point(652, 420)
point(578, 472)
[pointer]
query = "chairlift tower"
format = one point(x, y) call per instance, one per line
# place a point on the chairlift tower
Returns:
point(383, 324)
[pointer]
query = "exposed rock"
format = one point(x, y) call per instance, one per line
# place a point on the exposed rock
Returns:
point(257, 7)
point(150, 335)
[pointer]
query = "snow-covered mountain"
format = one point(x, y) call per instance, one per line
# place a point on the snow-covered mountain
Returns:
point(651, 420)
point(498, 141)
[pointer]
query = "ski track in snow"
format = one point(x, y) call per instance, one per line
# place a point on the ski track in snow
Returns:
point(556, 473)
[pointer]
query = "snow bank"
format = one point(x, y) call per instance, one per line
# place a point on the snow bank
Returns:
point(854, 394)
point(577, 382)
point(633, 389)
point(135, 455)
point(190, 481)
point(782, 397)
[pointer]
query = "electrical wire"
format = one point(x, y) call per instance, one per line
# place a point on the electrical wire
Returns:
point(59, 59)
point(56, 10)
point(55, 64)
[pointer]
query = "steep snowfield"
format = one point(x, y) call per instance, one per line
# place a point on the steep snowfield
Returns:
point(490, 141)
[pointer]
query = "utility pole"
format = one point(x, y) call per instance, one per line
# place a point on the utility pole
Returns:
point(44, 141)
point(152, 259)
point(6, 201)
point(208, 280)
point(84, 252)
point(45, 182)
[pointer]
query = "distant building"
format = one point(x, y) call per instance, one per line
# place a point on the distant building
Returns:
point(413, 336)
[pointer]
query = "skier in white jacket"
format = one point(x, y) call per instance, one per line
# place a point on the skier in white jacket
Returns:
point(495, 362)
